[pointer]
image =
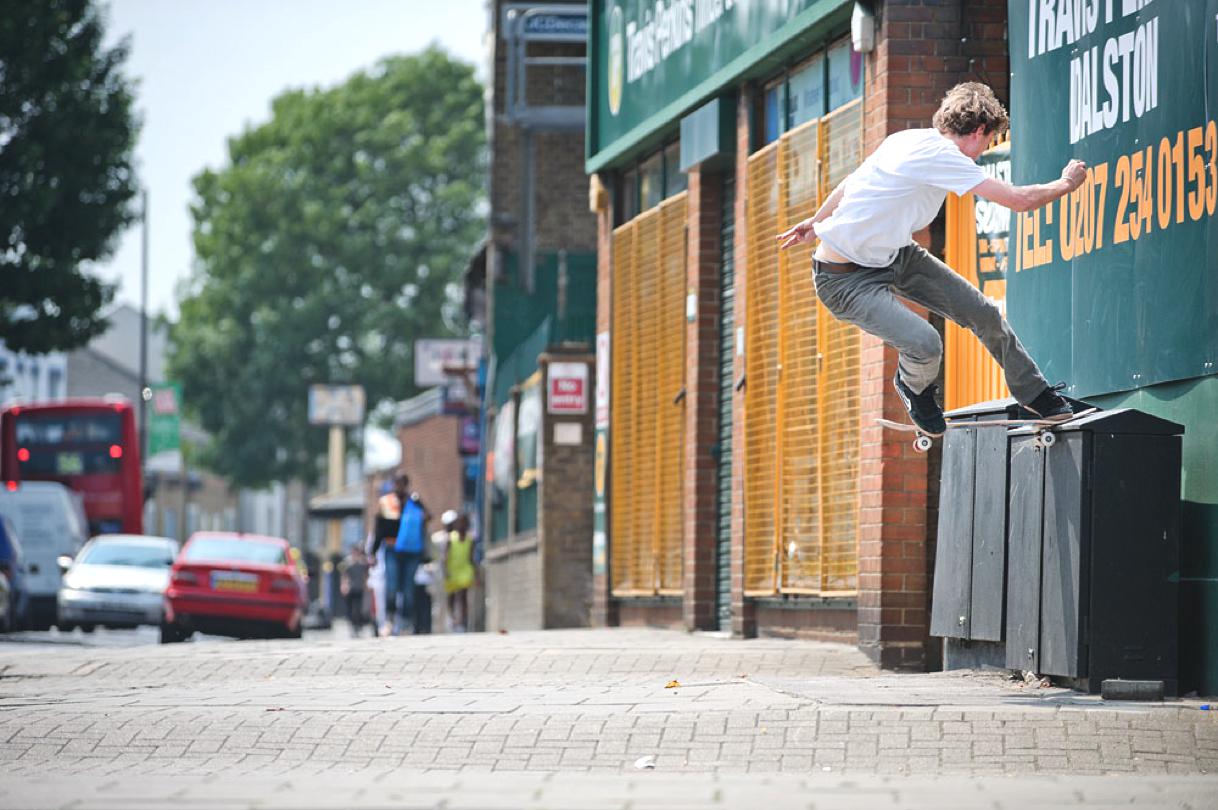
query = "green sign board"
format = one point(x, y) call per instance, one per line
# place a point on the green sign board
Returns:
point(1115, 286)
point(164, 424)
point(651, 61)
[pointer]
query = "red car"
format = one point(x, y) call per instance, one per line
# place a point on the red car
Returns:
point(232, 584)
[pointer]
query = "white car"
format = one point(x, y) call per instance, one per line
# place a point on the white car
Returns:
point(117, 580)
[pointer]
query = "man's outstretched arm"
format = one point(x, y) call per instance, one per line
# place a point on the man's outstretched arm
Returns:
point(806, 231)
point(1029, 198)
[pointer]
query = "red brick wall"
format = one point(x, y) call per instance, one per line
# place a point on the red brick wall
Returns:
point(701, 403)
point(650, 613)
point(430, 458)
point(562, 216)
point(923, 49)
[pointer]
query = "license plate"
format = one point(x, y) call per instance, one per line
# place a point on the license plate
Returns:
point(69, 464)
point(234, 581)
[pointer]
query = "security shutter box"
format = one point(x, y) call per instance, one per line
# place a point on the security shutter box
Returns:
point(1094, 550)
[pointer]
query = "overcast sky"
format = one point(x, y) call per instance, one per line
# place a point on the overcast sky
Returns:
point(207, 69)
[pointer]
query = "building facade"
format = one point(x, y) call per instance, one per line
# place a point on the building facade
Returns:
point(742, 480)
point(32, 377)
point(533, 287)
point(746, 485)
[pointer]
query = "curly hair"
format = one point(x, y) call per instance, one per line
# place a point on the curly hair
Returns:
point(970, 105)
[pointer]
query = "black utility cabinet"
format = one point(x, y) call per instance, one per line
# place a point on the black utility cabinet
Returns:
point(1094, 550)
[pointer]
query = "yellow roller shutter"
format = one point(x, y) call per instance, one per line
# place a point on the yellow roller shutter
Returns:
point(647, 417)
point(802, 377)
point(971, 375)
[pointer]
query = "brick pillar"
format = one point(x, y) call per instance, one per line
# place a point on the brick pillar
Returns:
point(923, 49)
point(744, 611)
point(701, 403)
point(603, 613)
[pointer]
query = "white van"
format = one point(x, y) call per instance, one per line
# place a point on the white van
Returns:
point(50, 521)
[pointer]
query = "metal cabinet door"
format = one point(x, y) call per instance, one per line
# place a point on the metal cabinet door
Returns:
point(949, 611)
point(1026, 510)
point(989, 534)
point(1063, 547)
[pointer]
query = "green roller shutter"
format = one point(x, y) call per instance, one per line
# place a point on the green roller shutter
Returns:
point(727, 340)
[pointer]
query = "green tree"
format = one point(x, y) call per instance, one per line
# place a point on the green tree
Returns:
point(334, 238)
point(67, 131)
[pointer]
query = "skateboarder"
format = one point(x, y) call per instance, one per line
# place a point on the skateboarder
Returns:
point(867, 256)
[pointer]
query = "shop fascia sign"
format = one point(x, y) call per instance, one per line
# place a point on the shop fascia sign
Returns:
point(647, 54)
point(641, 43)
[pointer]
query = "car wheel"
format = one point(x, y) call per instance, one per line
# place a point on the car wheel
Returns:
point(88, 628)
point(171, 634)
point(64, 627)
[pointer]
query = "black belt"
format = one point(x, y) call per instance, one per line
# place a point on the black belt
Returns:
point(835, 267)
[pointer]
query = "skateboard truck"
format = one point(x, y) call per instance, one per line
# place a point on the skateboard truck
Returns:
point(1044, 437)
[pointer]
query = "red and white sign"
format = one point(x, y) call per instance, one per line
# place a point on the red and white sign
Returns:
point(567, 388)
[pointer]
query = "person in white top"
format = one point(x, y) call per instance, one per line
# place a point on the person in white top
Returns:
point(867, 256)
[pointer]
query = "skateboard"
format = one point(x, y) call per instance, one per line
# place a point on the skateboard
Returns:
point(1041, 428)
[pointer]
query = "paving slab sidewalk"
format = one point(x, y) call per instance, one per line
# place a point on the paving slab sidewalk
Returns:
point(559, 718)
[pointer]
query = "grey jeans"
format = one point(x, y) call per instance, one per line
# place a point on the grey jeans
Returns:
point(867, 298)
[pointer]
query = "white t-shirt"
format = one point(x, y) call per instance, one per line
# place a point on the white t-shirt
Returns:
point(898, 190)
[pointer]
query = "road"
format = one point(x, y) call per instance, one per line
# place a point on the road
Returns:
point(567, 719)
point(53, 640)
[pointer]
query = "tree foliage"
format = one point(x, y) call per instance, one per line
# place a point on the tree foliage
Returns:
point(67, 132)
point(334, 238)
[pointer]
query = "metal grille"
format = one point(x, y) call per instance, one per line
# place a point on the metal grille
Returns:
point(801, 416)
point(648, 368)
point(971, 374)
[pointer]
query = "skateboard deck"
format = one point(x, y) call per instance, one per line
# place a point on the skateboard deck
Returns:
point(1043, 428)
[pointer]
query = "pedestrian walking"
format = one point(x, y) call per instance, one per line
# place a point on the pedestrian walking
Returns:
point(403, 554)
point(376, 582)
point(353, 584)
point(424, 578)
point(867, 256)
point(398, 531)
point(459, 572)
point(384, 536)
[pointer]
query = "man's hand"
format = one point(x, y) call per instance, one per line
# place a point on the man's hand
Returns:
point(800, 233)
point(1075, 173)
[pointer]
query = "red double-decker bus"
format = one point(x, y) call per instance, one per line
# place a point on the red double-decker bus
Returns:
point(89, 445)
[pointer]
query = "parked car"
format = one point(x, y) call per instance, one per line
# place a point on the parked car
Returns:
point(51, 523)
point(233, 584)
point(12, 579)
point(117, 580)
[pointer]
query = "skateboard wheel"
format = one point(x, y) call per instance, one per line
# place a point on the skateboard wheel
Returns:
point(922, 444)
point(1047, 439)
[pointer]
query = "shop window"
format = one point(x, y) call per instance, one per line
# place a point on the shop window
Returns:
point(772, 126)
point(845, 82)
point(806, 89)
point(830, 79)
point(675, 180)
point(628, 196)
point(651, 181)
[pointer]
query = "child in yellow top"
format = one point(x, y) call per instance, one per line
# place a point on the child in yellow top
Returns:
point(459, 572)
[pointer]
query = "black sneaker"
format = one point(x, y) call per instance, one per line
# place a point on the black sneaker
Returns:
point(1050, 405)
point(923, 409)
